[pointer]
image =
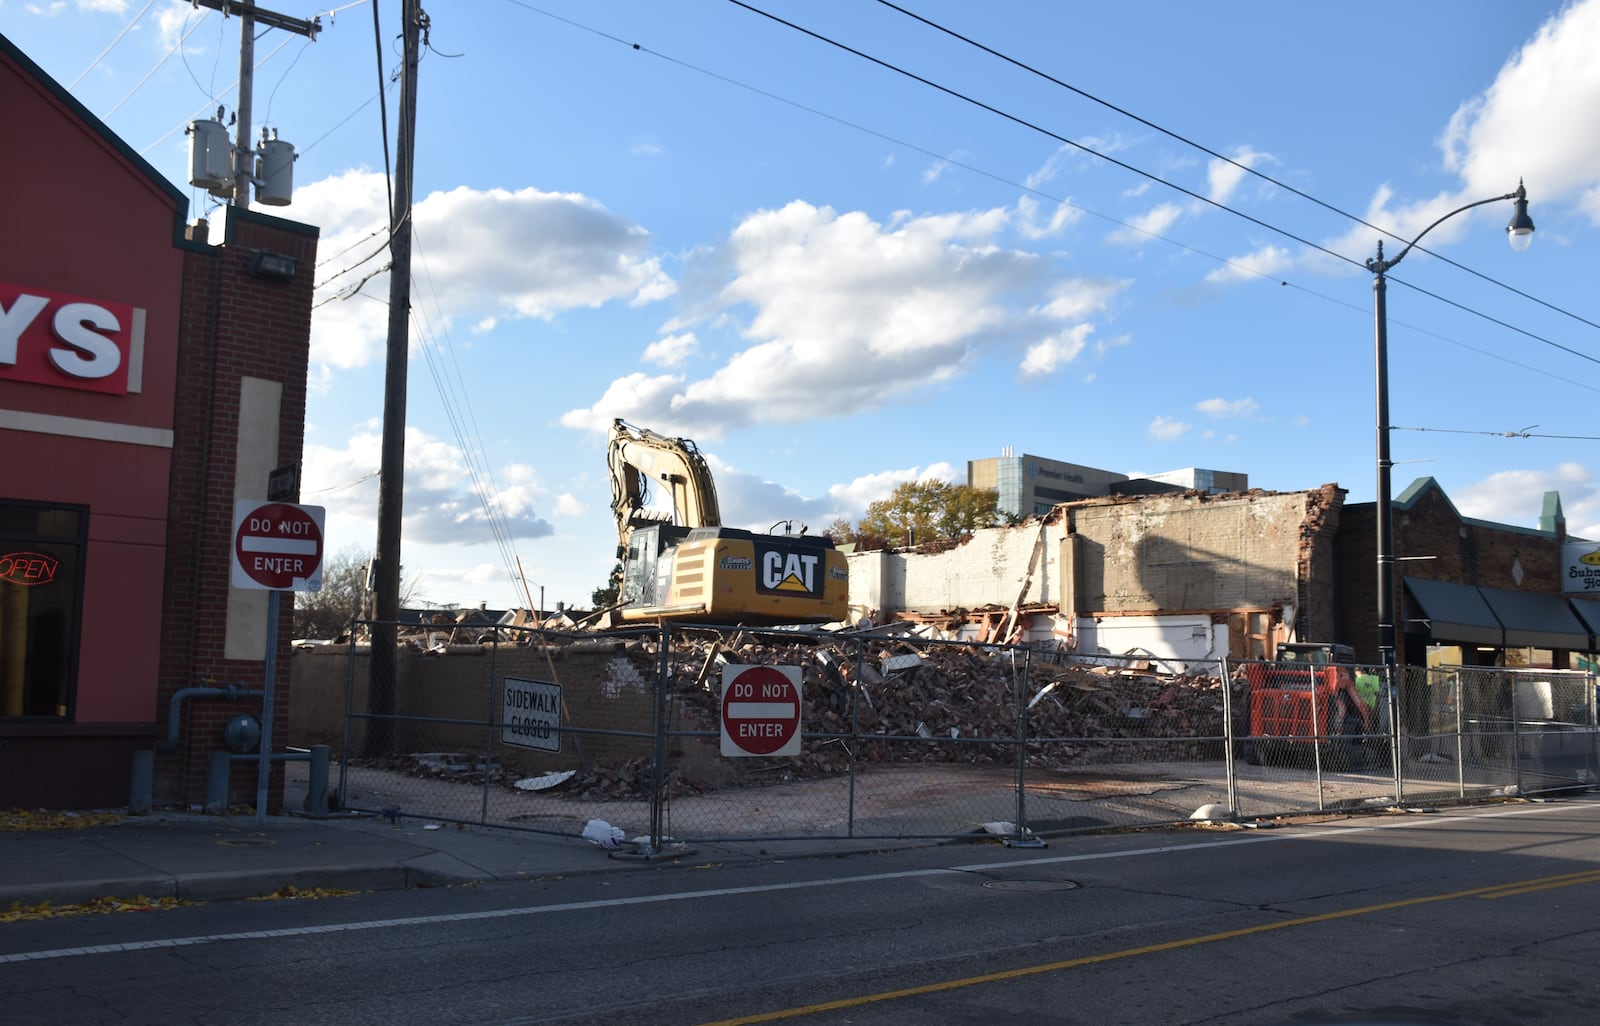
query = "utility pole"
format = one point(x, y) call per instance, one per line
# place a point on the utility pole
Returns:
point(384, 679)
point(249, 14)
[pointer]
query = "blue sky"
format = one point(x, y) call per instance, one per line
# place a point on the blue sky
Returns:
point(835, 277)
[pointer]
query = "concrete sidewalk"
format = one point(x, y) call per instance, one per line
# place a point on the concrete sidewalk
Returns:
point(197, 857)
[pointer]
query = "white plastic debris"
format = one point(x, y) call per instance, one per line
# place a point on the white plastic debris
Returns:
point(1210, 812)
point(1007, 829)
point(544, 782)
point(603, 833)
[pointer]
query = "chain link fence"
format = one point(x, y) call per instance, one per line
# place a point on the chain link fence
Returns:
point(891, 734)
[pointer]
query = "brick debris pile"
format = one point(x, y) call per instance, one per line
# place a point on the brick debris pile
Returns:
point(962, 703)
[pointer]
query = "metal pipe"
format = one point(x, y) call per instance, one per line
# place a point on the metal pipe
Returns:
point(175, 707)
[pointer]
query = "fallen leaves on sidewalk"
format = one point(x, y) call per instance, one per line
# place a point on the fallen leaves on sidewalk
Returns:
point(19, 912)
point(46, 819)
point(292, 893)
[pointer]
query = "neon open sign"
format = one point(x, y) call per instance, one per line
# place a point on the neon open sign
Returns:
point(28, 568)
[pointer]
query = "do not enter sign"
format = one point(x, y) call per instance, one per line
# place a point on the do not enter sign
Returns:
point(760, 710)
point(277, 546)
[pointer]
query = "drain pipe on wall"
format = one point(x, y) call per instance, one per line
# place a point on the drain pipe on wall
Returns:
point(175, 707)
point(141, 787)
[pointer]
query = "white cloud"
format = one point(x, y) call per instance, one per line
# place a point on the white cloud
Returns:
point(1151, 223)
point(441, 506)
point(1516, 497)
point(1045, 356)
point(1029, 226)
point(1228, 407)
point(1223, 178)
point(1533, 120)
point(569, 505)
point(486, 255)
point(672, 350)
point(1266, 262)
point(844, 314)
point(1166, 429)
point(856, 495)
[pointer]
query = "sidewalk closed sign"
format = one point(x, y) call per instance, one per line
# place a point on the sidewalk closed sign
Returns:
point(531, 714)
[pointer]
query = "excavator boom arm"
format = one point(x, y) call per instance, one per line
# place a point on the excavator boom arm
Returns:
point(639, 457)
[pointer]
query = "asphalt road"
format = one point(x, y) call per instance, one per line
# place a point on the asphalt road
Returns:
point(1479, 917)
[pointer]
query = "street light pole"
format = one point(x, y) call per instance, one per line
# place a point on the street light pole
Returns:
point(1520, 233)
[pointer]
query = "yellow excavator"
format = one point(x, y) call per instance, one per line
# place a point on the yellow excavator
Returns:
point(683, 565)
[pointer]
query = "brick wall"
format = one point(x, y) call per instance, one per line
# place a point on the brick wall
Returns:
point(1443, 546)
point(234, 325)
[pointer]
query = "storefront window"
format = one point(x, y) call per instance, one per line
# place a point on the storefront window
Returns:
point(41, 567)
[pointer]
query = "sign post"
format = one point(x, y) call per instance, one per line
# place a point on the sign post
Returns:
point(277, 547)
point(760, 710)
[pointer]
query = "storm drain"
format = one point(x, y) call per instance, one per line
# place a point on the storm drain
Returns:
point(1030, 885)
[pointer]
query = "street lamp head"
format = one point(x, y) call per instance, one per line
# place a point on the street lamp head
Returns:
point(1520, 231)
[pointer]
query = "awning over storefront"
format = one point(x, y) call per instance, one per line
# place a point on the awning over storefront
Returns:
point(1588, 613)
point(1537, 621)
point(1465, 614)
point(1453, 612)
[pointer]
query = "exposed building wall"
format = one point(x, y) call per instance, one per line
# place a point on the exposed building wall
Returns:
point(1189, 552)
point(1189, 575)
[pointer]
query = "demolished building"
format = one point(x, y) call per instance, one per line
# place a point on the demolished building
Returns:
point(1189, 576)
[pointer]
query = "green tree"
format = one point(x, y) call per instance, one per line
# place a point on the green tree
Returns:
point(325, 614)
point(606, 597)
point(921, 512)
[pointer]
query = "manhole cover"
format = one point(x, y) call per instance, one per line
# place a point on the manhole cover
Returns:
point(1031, 885)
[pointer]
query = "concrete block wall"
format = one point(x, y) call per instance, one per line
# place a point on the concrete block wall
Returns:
point(1189, 552)
point(986, 570)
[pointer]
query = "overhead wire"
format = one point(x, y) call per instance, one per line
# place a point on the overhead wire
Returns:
point(1034, 190)
point(1246, 168)
point(452, 391)
point(112, 45)
point(1082, 147)
point(1525, 433)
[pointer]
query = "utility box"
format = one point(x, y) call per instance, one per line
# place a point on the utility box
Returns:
point(210, 157)
point(274, 173)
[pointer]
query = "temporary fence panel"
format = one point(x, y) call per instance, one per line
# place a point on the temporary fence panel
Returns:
point(520, 728)
point(892, 734)
point(1313, 737)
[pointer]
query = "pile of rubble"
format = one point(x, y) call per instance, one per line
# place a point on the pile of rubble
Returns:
point(968, 704)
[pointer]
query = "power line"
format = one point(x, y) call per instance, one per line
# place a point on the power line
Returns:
point(1035, 191)
point(1524, 433)
point(109, 46)
point(1223, 157)
point(1015, 119)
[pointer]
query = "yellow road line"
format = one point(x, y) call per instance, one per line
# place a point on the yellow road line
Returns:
point(1495, 891)
point(1543, 884)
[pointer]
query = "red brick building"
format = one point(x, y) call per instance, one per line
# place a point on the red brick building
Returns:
point(147, 381)
point(1469, 584)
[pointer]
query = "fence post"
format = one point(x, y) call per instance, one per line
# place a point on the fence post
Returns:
point(1391, 698)
point(1509, 681)
point(656, 774)
point(488, 724)
point(1230, 766)
point(1022, 837)
point(855, 733)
